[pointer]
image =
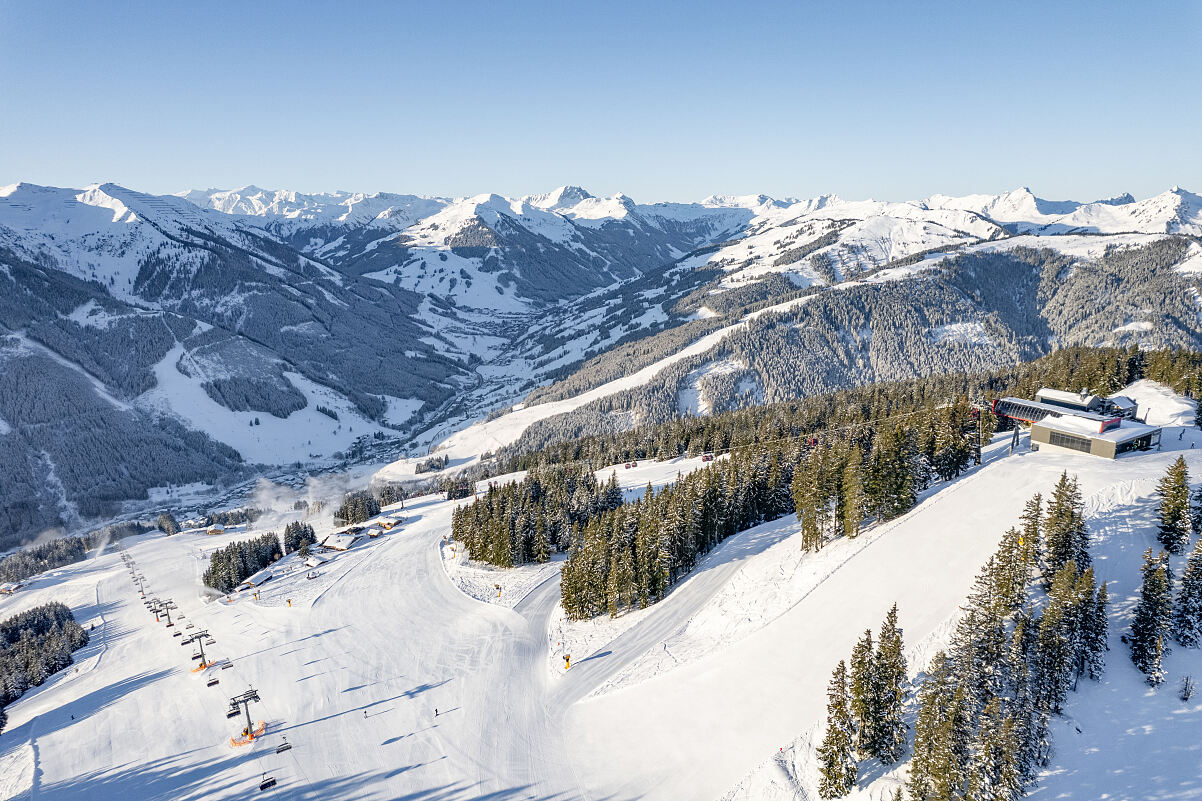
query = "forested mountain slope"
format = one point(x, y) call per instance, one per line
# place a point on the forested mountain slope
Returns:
point(284, 329)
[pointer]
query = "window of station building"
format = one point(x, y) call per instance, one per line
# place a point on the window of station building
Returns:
point(1068, 441)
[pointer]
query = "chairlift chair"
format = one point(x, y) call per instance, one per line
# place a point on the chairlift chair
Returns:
point(233, 712)
point(211, 682)
point(284, 746)
point(267, 783)
point(210, 642)
point(196, 655)
point(177, 634)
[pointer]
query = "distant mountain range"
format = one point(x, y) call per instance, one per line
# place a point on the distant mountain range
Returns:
point(198, 339)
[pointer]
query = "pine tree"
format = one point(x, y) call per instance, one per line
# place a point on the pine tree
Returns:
point(1064, 534)
point(1152, 618)
point(837, 763)
point(1195, 514)
point(852, 496)
point(542, 542)
point(1097, 624)
point(862, 696)
point(1187, 613)
point(1031, 517)
point(1056, 642)
point(993, 772)
point(888, 736)
point(1175, 523)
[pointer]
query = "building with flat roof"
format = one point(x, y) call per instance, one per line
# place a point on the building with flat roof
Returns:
point(1107, 438)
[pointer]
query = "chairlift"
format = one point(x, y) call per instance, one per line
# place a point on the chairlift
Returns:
point(190, 626)
point(196, 655)
point(210, 641)
point(212, 682)
point(233, 712)
point(284, 746)
point(267, 783)
point(227, 666)
point(177, 634)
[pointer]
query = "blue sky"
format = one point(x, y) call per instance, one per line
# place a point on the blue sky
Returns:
point(663, 101)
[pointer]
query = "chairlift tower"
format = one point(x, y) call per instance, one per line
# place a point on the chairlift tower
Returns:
point(241, 703)
point(167, 607)
point(198, 638)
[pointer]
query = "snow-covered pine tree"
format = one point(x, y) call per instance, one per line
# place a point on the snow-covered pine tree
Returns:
point(1175, 523)
point(1152, 617)
point(836, 760)
point(1057, 642)
point(1031, 517)
point(888, 736)
point(1064, 534)
point(852, 495)
point(933, 698)
point(993, 770)
point(542, 542)
point(1195, 514)
point(1097, 623)
point(1187, 613)
point(861, 686)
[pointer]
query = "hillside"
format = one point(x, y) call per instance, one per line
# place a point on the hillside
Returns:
point(273, 332)
point(351, 665)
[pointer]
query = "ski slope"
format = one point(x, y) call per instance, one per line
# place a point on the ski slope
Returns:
point(351, 671)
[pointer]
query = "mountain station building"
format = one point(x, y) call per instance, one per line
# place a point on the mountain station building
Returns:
point(1080, 423)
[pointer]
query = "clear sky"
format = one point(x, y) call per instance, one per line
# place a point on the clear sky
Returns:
point(663, 101)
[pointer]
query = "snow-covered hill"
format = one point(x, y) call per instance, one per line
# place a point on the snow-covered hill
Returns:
point(353, 665)
point(408, 318)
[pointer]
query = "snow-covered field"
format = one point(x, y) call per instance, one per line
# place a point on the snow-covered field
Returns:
point(715, 690)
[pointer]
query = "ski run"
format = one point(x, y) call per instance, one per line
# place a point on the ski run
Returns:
point(398, 669)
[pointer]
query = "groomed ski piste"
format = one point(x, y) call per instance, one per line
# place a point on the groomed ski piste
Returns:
point(716, 692)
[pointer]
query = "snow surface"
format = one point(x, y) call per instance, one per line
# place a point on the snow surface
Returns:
point(383, 631)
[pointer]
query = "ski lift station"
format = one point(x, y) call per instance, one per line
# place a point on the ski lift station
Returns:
point(1081, 423)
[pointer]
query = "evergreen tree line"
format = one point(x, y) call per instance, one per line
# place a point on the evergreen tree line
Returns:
point(34, 645)
point(357, 507)
point(1157, 617)
point(298, 536)
point(630, 556)
point(388, 494)
point(521, 522)
point(981, 729)
point(233, 564)
point(1102, 370)
point(233, 517)
point(983, 711)
point(865, 710)
point(39, 558)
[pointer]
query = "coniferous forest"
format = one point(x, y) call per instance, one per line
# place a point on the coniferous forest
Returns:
point(34, 645)
point(231, 565)
point(521, 522)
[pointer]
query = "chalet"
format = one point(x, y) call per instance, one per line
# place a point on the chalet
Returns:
point(258, 579)
point(9, 587)
point(215, 530)
point(340, 542)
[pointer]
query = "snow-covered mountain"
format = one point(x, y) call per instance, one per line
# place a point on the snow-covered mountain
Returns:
point(288, 329)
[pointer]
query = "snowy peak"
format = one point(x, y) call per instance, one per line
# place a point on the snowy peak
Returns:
point(275, 206)
point(561, 198)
